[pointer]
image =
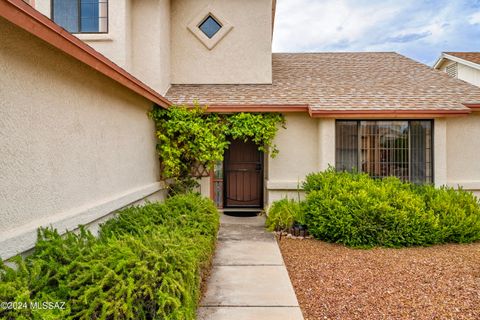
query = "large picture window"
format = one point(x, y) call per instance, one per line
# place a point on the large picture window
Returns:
point(81, 16)
point(386, 148)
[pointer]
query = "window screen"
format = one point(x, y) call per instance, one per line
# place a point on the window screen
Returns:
point(386, 148)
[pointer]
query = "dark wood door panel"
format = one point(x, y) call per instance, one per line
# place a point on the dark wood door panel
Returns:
point(243, 175)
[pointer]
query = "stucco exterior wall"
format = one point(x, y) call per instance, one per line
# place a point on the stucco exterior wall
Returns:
point(150, 39)
point(242, 56)
point(75, 145)
point(299, 156)
point(440, 161)
point(44, 6)
point(326, 143)
point(151, 43)
point(138, 38)
point(116, 44)
point(462, 152)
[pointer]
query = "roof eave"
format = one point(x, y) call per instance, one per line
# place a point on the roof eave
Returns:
point(27, 18)
point(460, 60)
point(233, 108)
point(439, 61)
point(475, 107)
point(404, 114)
point(342, 113)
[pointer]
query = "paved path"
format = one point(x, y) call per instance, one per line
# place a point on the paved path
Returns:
point(249, 280)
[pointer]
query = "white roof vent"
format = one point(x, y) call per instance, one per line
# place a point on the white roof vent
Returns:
point(452, 70)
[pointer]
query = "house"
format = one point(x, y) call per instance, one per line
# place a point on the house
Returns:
point(461, 65)
point(79, 145)
point(75, 141)
point(380, 112)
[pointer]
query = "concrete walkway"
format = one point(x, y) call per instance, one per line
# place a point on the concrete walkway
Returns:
point(249, 279)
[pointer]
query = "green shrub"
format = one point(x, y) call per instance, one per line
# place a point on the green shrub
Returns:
point(283, 214)
point(145, 264)
point(182, 185)
point(356, 210)
point(191, 137)
point(458, 212)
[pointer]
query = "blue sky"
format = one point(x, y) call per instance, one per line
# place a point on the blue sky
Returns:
point(419, 29)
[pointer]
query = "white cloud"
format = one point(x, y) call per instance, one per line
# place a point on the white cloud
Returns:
point(474, 18)
point(307, 23)
point(418, 28)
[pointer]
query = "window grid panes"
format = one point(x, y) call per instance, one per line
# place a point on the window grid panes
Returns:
point(386, 148)
point(81, 16)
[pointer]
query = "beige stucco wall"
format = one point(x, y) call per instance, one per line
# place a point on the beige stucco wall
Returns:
point(242, 56)
point(440, 161)
point(463, 147)
point(306, 146)
point(151, 43)
point(44, 6)
point(75, 145)
point(138, 38)
point(150, 39)
point(116, 44)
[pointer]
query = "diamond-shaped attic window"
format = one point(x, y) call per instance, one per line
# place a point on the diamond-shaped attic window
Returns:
point(210, 26)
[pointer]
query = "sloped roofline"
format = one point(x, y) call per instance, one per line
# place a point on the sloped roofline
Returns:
point(445, 56)
point(27, 18)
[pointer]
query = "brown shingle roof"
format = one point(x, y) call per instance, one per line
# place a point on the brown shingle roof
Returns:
point(341, 81)
point(469, 56)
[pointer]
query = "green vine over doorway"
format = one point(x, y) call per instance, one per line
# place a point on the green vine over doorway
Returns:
point(190, 137)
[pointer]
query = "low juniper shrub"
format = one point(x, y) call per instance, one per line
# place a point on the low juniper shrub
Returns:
point(146, 264)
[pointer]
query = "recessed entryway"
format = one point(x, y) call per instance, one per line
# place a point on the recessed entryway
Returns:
point(243, 176)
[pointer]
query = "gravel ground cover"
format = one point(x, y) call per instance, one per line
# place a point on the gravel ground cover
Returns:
point(336, 282)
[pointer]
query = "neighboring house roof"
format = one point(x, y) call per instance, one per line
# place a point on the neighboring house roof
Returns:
point(336, 83)
point(471, 59)
point(29, 19)
point(469, 56)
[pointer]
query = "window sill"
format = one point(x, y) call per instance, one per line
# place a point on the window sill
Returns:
point(93, 36)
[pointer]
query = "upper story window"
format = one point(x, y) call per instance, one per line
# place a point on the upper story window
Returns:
point(386, 148)
point(81, 16)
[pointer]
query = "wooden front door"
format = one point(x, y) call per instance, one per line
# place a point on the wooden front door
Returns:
point(243, 175)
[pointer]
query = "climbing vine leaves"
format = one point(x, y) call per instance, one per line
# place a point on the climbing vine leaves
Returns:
point(189, 137)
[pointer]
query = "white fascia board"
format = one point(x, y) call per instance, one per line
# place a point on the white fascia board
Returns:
point(461, 61)
point(439, 61)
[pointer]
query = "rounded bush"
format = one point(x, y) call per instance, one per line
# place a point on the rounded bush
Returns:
point(356, 210)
